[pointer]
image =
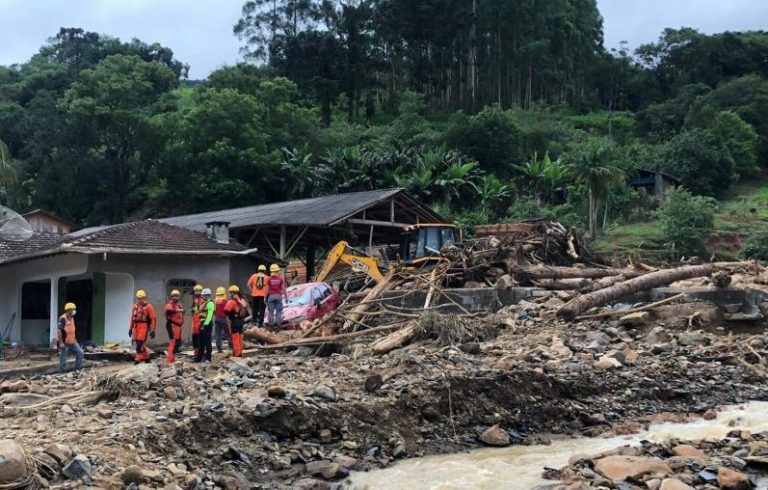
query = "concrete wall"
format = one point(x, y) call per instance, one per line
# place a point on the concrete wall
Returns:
point(47, 268)
point(471, 300)
point(152, 274)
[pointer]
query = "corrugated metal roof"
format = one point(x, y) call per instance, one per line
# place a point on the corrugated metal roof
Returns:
point(318, 211)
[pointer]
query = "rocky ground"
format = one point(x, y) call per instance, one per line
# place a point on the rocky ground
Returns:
point(727, 464)
point(304, 419)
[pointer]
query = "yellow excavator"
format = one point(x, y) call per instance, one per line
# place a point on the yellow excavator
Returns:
point(419, 247)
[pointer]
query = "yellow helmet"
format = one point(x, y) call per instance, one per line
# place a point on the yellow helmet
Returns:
point(70, 307)
point(198, 288)
point(274, 268)
point(175, 292)
point(234, 289)
point(262, 268)
point(220, 291)
point(141, 294)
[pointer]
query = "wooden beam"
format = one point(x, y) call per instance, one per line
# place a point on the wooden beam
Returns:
point(371, 222)
point(296, 241)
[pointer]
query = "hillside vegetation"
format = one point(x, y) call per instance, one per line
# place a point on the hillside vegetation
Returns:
point(487, 110)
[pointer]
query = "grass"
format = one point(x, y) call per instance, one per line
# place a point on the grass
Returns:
point(743, 211)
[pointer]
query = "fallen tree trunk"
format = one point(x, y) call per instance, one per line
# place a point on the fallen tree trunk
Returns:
point(551, 272)
point(394, 340)
point(574, 284)
point(357, 313)
point(311, 341)
point(648, 281)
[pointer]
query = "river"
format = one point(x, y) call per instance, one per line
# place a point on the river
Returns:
point(520, 467)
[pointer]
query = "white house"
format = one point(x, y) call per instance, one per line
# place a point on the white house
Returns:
point(99, 269)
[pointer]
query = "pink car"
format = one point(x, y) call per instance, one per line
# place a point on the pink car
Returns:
point(308, 302)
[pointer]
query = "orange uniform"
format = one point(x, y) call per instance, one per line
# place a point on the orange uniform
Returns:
point(143, 323)
point(236, 309)
point(174, 319)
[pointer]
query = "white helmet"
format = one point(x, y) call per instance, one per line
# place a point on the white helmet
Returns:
point(206, 292)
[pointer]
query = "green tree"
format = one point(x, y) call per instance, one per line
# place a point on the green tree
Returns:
point(687, 220)
point(492, 138)
point(7, 170)
point(737, 137)
point(111, 106)
point(592, 165)
point(697, 158)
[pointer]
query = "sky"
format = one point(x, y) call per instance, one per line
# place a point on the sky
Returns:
point(200, 31)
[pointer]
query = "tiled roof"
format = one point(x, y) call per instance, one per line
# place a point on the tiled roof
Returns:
point(143, 236)
point(318, 211)
point(148, 235)
point(38, 242)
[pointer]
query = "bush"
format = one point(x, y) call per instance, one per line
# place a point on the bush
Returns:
point(687, 220)
point(756, 246)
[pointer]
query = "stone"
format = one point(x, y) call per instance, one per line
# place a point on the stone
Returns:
point(317, 467)
point(619, 468)
point(152, 475)
point(170, 393)
point(351, 445)
point(132, 474)
point(495, 436)
point(191, 481)
point(67, 409)
point(373, 383)
point(692, 339)
point(344, 461)
point(168, 372)
point(471, 347)
point(607, 363)
point(709, 415)
point(105, 413)
point(78, 469)
point(688, 451)
point(400, 450)
point(728, 479)
point(13, 462)
point(326, 436)
point(631, 356)
point(657, 335)
point(310, 484)
point(330, 471)
point(636, 319)
point(253, 402)
point(616, 354)
point(674, 484)
point(14, 386)
point(653, 484)
point(276, 391)
point(505, 282)
point(60, 452)
point(325, 392)
point(176, 471)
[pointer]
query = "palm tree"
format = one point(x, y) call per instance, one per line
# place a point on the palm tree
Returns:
point(7, 170)
point(592, 166)
point(455, 176)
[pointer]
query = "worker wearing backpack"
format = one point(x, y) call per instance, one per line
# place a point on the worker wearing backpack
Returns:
point(258, 286)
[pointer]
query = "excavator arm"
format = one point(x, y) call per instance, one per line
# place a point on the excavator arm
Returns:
point(342, 252)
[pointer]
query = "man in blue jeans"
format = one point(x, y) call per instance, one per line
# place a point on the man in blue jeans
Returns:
point(66, 339)
point(276, 294)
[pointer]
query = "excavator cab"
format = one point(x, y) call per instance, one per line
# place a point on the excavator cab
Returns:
point(422, 243)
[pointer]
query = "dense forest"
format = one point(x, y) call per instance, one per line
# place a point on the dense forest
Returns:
point(490, 110)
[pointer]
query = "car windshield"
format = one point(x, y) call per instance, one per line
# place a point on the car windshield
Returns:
point(299, 296)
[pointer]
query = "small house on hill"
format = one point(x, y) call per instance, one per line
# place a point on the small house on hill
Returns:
point(99, 269)
point(654, 183)
point(43, 221)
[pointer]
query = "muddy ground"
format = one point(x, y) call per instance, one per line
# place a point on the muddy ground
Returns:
point(304, 419)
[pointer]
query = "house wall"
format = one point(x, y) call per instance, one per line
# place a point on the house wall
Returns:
point(152, 274)
point(42, 223)
point(117, 306)
point(46, 268)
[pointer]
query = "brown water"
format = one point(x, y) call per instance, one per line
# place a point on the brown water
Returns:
point(520, 467)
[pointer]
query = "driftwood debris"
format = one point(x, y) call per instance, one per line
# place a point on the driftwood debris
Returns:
point(651, 280)
point(549, 272)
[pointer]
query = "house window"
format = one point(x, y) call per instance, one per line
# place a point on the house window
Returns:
point(36, 301)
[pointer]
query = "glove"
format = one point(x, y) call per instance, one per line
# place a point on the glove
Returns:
point(130, 332)
point(152, 334)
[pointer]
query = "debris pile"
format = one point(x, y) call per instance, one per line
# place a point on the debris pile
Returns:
point(729, 464)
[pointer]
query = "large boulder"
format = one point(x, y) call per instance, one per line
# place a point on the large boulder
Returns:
point(13, 462)
point(728, 479)
point(495, 436)
point(674, 484)
point(619, 468)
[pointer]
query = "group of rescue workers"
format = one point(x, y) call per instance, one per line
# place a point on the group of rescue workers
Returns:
point(223, 317)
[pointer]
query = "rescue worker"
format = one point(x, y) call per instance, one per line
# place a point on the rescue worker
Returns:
point(174, 319)
point(197, 301)
point(237, 310)
point(66, 339)
point(276, 293)
point(220, 325)
point(257, 283)
point(206, 314)
point(143, 323)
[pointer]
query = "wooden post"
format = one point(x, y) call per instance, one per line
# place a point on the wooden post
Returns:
point(283, 239)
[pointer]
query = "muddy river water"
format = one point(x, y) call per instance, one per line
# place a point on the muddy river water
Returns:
point(520, 467)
